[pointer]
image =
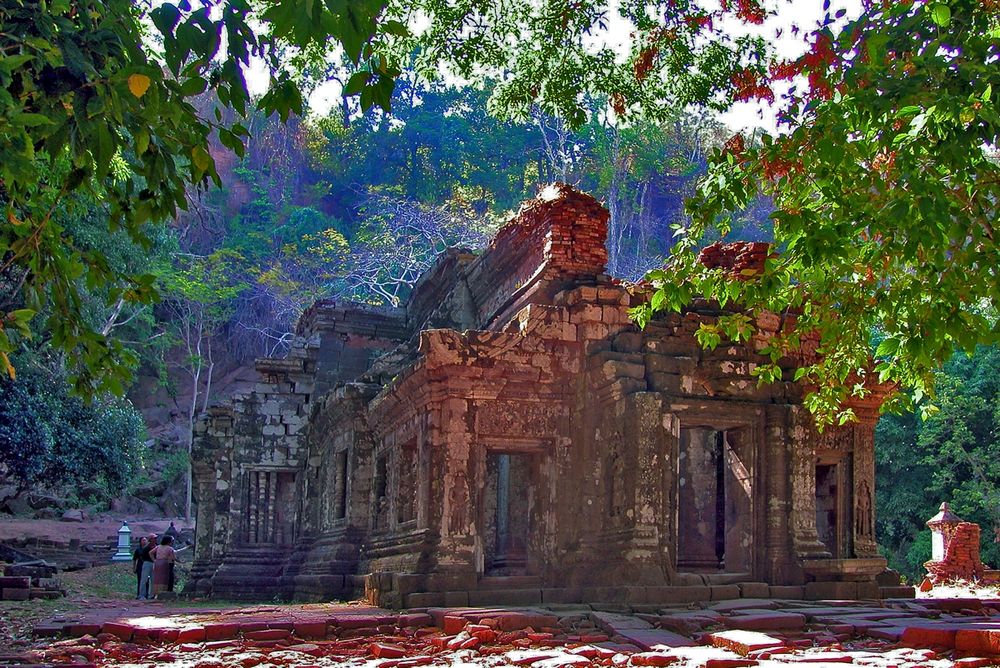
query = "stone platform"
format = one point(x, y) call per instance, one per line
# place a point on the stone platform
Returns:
point(747, 632)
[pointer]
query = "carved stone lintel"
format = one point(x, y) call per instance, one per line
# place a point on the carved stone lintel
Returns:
point(518, 418)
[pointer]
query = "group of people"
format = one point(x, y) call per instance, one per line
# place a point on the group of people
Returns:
point(153, 563)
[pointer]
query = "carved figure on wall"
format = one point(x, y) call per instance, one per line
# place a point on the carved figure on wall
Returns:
point(458, 502)
point(863, 522)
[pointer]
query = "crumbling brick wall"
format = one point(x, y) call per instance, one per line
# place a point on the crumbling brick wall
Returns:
point(961, 557)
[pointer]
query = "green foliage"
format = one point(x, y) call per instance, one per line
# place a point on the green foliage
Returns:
point(885, 195)
point(49, 436)
point(952, 456)
point(84, 113)
point(176, 466)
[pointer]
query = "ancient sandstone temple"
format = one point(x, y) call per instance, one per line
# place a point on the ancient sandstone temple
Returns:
point(510, 437)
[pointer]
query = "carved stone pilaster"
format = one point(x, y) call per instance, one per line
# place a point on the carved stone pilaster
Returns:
point(864, 490)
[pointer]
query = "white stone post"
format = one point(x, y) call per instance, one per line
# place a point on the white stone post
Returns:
point(124, 552)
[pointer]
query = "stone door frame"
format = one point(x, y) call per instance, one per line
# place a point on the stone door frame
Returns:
point(541, 451)
point(722, 415)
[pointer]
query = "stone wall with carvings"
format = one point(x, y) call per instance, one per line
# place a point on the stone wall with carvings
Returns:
point(511, 430)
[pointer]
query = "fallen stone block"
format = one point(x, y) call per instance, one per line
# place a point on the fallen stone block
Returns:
point(268, 634)
point(890, 633)
point(744, 642)
point(453, 624)
point(651, 639)
point(921, 636)
point(47, 630)
point(973, 662)
point(190, 634)
point(355, 621)
point(223, 631)
point(310, 629)
point(978, 641)
point(653, 659)
point(415, 619)
point(45, 594)
point(815, 657)
point(118, 630)
point(386, 651)
point(12, 582)
point(766, 621)
point(516, 620)
point(563, 660)
point(528, 657)
point(9, 594)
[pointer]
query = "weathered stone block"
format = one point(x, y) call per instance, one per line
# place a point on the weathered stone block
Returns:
point(456, 599)
point(789, 592)
point(12, 594)
point(724, 592)
point(423, 599)
point(754, 589)
point(506, 597)
point(830, 590)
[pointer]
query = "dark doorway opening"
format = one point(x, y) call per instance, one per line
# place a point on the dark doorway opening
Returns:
point(714, 509)
point(826, 505)
point(508, 509)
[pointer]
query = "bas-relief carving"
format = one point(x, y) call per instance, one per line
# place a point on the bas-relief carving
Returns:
point(864, 491)
point(518, 418)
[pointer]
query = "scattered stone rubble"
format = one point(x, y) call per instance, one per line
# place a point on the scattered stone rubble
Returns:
point(24, 582)
point(763, 632)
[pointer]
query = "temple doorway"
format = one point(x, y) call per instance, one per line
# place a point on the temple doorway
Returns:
point(714, 502)
point(508, 499)
point(833, 512)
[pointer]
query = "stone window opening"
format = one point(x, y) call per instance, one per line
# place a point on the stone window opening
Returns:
point(270, 507)
point(714, 508)
point(406, 490)
point(340, 485)
point(380, 493)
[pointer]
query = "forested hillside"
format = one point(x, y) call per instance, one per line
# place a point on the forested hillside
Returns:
point(344, 205)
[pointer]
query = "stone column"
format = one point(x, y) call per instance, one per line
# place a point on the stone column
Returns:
point(458, 522)
point(652, 432)
point(802, 442)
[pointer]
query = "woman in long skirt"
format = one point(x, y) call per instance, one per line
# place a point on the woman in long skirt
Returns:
point(163, 565)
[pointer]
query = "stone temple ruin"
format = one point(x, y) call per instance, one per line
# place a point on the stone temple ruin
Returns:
point(511, 437)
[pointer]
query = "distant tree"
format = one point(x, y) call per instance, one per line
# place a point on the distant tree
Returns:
point(400, 240)
point(48, 436)
point(953, 456)
point(199, 293)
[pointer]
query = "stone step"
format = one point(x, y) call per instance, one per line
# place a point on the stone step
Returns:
point(495, 582)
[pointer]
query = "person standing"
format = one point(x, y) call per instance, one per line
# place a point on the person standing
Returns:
point(146, 569)
point(137, 562)
point(163, 565)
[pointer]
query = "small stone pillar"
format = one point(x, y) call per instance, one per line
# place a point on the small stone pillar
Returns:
point(124, 552)
point(954, 548)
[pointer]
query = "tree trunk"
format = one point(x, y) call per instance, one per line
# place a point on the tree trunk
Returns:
point(195, 380)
